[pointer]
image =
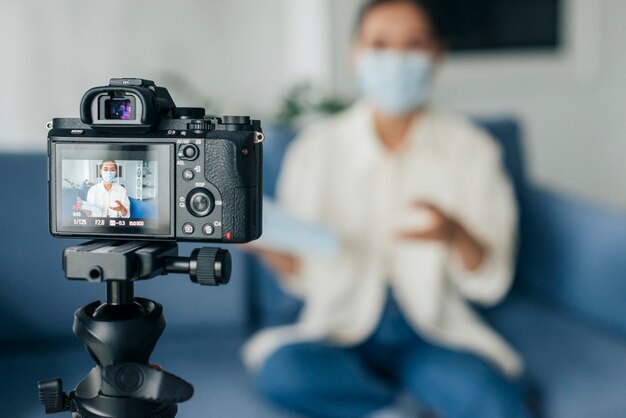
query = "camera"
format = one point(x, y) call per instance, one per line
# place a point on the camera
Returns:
point(136, 167)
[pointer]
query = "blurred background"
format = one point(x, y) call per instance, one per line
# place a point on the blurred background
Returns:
point(546, 77)
point(556, 64)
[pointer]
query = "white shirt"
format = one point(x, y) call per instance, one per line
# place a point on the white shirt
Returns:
point(338, 173)
point(105, 199)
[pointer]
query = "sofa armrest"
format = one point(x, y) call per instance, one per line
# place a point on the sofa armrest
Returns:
point(573, 254)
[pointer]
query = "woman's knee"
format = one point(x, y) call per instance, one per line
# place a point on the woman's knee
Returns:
point(463, 385)
point(321, 380)
point(282, 377)
point(495, 395)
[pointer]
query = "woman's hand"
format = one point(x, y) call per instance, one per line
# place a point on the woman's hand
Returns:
point(283, 264)
point(448, 230)
point(120, 208)
point(79, 206)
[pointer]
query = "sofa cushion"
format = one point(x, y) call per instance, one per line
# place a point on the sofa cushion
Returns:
point(508, 134)
point(580, 371)
point(572, 255)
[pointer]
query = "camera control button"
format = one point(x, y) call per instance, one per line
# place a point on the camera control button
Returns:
point(191, 151)
point(207, 229)
point(188, 175)
point(188, 228)
point(188, 152)
point(200, 202)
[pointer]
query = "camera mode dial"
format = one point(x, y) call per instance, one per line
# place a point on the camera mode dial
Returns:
point(200, 202)
point(200, 125)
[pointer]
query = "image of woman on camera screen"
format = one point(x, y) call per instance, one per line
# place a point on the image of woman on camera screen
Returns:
point(107, 198)
point(426, 219)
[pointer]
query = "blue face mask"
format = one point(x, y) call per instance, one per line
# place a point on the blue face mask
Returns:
point(108, 176)
point(395, 82)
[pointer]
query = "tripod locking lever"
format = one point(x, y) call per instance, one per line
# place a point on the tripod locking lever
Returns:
point(52, 397)
point(139, 381)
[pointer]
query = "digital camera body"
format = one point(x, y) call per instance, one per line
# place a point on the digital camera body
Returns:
point(136, 167)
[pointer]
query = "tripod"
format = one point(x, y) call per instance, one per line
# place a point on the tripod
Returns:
point(121, 333)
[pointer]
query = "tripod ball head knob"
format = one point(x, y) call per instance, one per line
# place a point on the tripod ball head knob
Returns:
point(210, 266)
point(52, 397)
point(140, 381)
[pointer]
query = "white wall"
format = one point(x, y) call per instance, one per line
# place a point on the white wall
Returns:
point(51, 52)
point(244, 54)
point(76, 171)
point(573, 105)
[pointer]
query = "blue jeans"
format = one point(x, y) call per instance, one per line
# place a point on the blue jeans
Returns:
point(322, 380)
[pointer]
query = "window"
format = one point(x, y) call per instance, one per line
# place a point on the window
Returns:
point(482, 25)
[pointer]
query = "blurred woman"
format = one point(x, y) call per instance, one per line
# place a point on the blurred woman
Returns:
point(427, 222)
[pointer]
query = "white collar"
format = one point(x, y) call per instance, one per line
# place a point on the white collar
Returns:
point(370, 149)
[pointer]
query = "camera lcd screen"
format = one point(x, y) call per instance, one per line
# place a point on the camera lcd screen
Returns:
point(120, 109)
point(114, 189)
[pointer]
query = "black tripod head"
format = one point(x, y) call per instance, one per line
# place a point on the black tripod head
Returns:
point(98, 261)
point(121, 333)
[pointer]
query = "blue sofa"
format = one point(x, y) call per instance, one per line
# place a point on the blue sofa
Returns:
point(566, 313)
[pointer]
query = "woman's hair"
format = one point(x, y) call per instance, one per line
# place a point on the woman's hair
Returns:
point(432, 9)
